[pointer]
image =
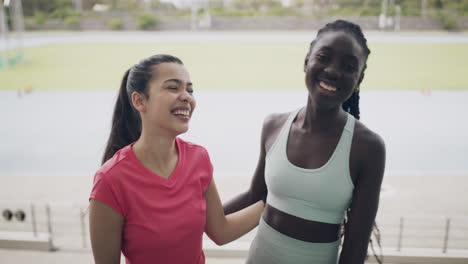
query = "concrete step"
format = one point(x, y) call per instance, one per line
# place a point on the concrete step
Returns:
point(26, 241)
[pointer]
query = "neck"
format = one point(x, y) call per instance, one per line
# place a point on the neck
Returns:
point(155, 148)
point(317, 117)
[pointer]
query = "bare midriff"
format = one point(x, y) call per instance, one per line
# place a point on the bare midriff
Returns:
point(299, 228)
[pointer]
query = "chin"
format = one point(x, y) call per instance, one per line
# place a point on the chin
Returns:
point(181, 130)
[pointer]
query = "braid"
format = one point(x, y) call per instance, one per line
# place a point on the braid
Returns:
point(352, 105)
point(377, 235)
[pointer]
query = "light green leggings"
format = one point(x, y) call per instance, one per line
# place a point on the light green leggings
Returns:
point(272, 247)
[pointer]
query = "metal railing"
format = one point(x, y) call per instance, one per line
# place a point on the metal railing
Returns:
point(67, 224)
point(424, 231)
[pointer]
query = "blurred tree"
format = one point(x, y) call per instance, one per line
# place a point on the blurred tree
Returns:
point(163, 6)
point(30, 7)
point(256, 5)
point(464, 7)
point(339, 7)
point(438, 4)
point(298, 4)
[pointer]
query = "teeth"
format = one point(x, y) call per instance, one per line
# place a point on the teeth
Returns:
point(182, 112)
point(327, 87)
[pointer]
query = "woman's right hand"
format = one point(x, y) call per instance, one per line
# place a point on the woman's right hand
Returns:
point(258, 188)
point(222, 228)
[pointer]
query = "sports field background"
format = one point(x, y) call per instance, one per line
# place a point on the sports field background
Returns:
point(234, 66)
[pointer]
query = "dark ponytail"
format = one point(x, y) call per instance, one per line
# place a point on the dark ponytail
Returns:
point(126, 121)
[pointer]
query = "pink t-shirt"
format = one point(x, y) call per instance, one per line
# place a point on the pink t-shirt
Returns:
point(164, 219)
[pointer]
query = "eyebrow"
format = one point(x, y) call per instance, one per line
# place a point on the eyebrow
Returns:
point(177, 81)
point(331, 50)
point(325, 48)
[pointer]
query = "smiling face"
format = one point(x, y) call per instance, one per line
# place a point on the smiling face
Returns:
point(170, 102)
point(334, 68)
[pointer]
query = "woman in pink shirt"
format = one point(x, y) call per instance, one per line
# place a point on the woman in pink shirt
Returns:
point(154, 196)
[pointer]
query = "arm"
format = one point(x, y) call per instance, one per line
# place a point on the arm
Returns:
point(365, 201)
point(253, 194)
point(105, 226)
point(258, 186)
point(224, 229)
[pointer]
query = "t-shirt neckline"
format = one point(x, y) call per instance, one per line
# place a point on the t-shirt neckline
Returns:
point(172, 177)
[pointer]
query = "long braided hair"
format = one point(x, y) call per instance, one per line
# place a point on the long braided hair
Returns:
point(352, 106)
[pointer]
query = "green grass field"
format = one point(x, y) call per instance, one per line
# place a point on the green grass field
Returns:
point(235, 66)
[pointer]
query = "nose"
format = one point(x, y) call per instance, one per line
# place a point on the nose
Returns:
point(185, 96)
point(332, 73)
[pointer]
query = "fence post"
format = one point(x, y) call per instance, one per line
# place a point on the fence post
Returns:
point(49, 219)
point(446, 237)
point(400, 235)
point(83, 227)
point(33, 219)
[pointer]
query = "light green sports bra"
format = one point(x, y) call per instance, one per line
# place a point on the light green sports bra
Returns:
point(321, 194)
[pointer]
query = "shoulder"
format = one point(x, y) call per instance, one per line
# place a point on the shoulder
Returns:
point(274, 122)
point(110, 180)
point(271, 128)
point(114, 165)
point(197, 157)
point(194, 153)
point(367, 140)
point(192, 148)
point(369, 149)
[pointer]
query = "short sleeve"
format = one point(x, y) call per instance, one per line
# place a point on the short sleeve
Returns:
point(206, 178)
point(102, 191)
